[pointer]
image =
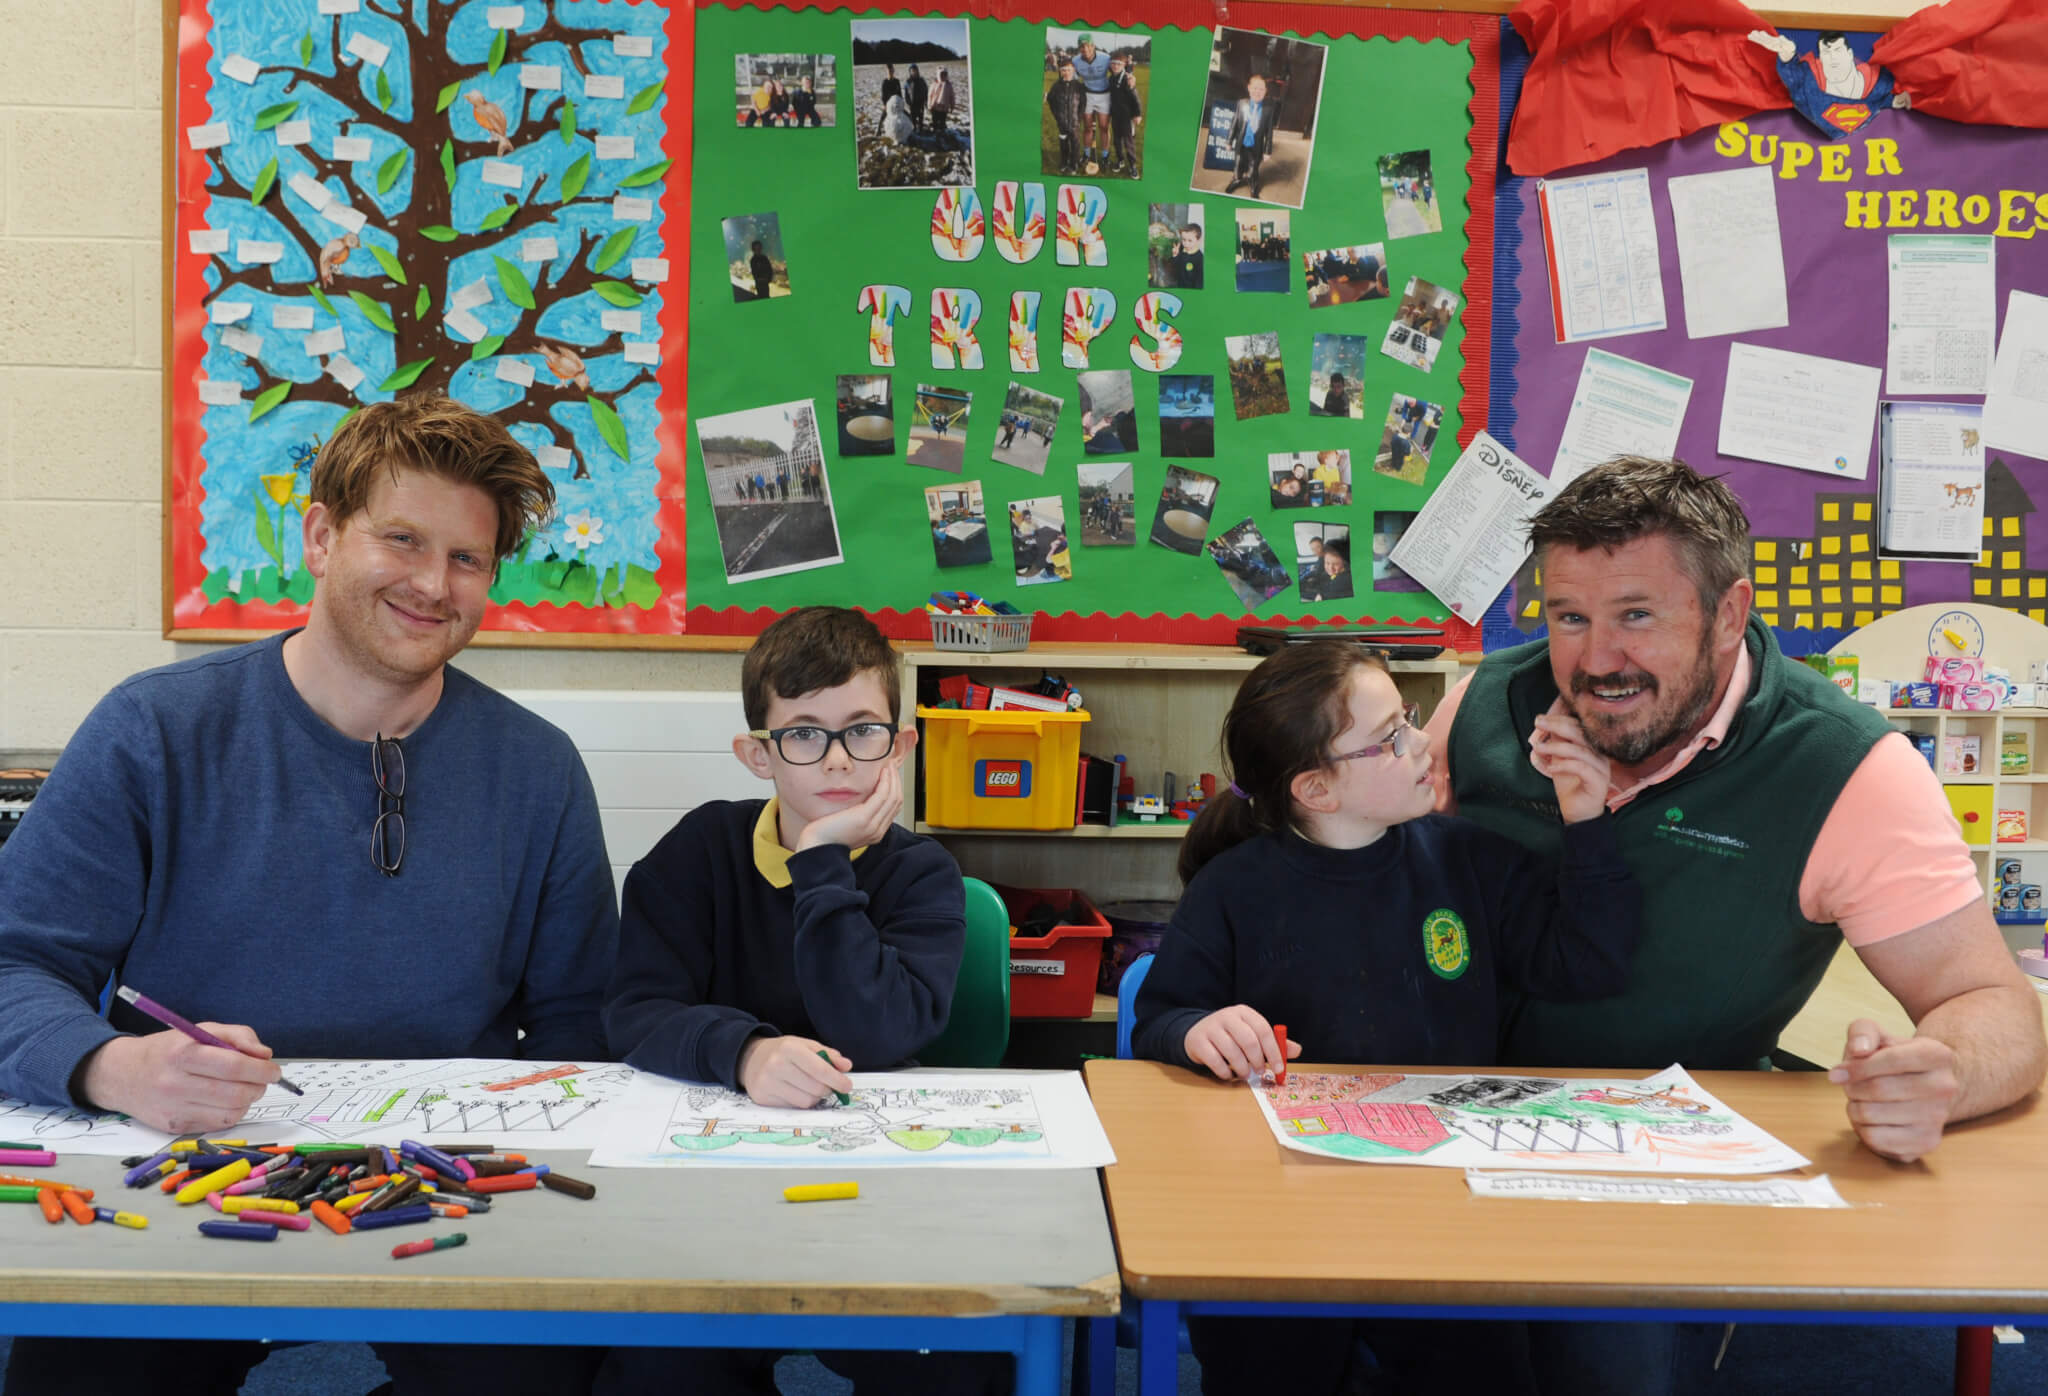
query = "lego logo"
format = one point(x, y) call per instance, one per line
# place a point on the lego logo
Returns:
point(1002, 780)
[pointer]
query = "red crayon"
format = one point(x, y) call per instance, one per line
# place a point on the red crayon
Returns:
point(509, 1182)
point(1280, 1038)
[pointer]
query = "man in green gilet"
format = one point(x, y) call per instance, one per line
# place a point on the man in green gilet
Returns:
point(1766, 814)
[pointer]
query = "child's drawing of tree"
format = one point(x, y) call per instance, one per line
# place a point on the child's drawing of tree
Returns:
point(469, 193)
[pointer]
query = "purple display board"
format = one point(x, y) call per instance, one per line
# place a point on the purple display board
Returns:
point(1834, 232)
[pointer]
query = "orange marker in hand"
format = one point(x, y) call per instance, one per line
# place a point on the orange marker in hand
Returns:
point(1280, 1038)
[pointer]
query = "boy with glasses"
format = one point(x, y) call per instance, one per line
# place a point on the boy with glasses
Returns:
point(772, 946)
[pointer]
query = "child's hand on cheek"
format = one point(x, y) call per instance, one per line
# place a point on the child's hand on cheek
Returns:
point(1236, 1041)
point(1579, 774)
point(859, 825)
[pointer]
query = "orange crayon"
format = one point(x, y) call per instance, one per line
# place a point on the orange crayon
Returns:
point(77, 1207)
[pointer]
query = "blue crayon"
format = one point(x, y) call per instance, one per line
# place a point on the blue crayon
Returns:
point(146, 1169)
point(396, 1216)
point(238, 1231)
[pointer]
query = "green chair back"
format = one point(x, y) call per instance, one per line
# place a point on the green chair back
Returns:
point(978, 1032)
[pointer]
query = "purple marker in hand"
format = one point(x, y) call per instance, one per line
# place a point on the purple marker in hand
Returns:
point(192, 1030)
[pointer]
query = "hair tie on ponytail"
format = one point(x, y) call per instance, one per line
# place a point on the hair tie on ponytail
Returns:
point(1238, 791)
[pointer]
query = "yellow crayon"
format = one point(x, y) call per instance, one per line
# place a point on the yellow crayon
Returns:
point(133, 1220)
point(191, 1146)
point(232, 1205)
point(214, 1181)
point(820, 1192)
point(351, 1202)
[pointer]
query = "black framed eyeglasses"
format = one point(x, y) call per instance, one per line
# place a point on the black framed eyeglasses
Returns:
point(1400, 741)
point(387, 835)
point(806, 745)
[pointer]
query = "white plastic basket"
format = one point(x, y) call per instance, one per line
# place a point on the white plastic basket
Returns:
point(989, 633)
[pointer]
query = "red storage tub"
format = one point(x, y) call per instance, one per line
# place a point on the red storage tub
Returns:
point(1053, 975)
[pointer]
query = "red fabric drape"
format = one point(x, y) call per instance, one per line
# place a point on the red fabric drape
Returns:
point(1973, 60)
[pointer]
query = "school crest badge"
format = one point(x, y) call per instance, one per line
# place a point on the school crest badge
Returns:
point(1445, 944)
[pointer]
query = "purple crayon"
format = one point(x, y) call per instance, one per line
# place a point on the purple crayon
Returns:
point(192, 1030)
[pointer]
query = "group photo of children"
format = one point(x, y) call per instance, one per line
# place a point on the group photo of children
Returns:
point(1173, 247)
point(913, 104)
point(1025, 427)
point(1108, 500)
point(1038, 540)
point(1097, 88)
point(769, 495)
point(1322, 561)
point(959, 524)
point(786, 89)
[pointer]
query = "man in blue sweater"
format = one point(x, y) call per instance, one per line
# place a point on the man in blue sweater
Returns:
point(220, 828)
point(773, 946)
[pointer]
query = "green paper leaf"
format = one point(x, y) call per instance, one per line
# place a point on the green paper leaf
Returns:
point(615, 247)
point(320, 298)
point(619, 294)
point(573, 177)
point(421, 303)
point(568, 123)
point(270, 116)
point(517, 289)
point(264, 179)
point(267, 399)
point(447, 97)
point(485, 347)
point(405, 377)
point(390, 170)
point(383, 91)
point(306, 49)
point(502, 214)
point(643, 588)
point(390, 264)
point(610, 427)
point(440, 232)
point(266, 532)
point(497, 53)
point(375, 313)
point(644, 99)
point(448, 157)
point(646, 176)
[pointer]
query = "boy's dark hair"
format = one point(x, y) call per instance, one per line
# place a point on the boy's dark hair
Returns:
point(1340, 546)
point(1631, 497)
point(1286, 714)
point(816, 647)
point(1194, 228)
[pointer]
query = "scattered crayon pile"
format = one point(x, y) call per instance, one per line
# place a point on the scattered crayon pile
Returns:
point(258, 1190)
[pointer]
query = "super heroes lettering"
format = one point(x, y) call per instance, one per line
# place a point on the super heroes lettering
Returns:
point(2018, 213)
point(960, 228)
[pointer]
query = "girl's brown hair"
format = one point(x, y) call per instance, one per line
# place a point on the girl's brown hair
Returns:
point(1286, 715)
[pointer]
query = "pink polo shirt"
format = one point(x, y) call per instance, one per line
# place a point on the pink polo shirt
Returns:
point(1889, 858)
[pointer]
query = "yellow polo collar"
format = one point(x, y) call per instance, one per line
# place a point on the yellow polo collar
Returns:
point(771, 859)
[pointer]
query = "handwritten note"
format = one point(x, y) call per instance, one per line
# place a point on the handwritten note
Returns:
point(633, 45)
point(1799, 410)
point(476, 293)
point(505, 174)
point(540, 77)
point(538, 250)
point(604, 85)
point(516, 371)
point(291, 317)
point(344, 372)
point(211, 136)
point(465, 324)
point(218, 394)
point(368, 49)
point(293, 132)
point(2016, 410)
point(643, 352)
point(614, 147)
point(258, 252)
point(352, 147)
point(651, 269)
point(631, 210)
point(207, 240)
point(321, 343)
point(312, 191)
point(1730, 258)
point(239, 68)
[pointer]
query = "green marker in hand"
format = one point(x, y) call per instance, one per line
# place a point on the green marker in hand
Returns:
point(844, 1098)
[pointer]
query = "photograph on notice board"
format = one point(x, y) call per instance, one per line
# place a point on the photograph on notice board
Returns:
point(1322, 561)
point(1025, 429)
point(913, 104)
point(1341, 275)
point(1097, 86)
point(1187, 414)
point(1038, 541)
point(784, 90)
point(1262, 249)
point(1173, 246)
point(1408, 195)
point(1407, 439)
point(1109, 419)
point(1186, 501)
point(753, 257)
point(1336, 369)
point(1309, 479)
point(764, 472)
point(1249, 564)
point(959, 524)
point(1387, 527)
point(1258, 117)
point(1108, 503)
point(1258, 380)
point(1425, 313)
point(938, 427)
point(867, 415)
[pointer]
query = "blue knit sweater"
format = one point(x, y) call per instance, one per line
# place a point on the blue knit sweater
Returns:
point(207, 837)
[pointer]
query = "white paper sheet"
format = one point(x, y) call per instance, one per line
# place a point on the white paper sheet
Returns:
point(239, 68)
point(623, 321)
point(1600, 239)
point(1944, 314)
point(476, 293)
point(1581, 1187)
point(554, 457)
point(643, 352)
point(229, 312)
point(609, 85)
point(630, 210)
point(343, 372)
point(465, 324)
point(1730, 259)
point(368, 49)
point(515, 371)
point(211, 136)
point(650, 269)
point(614, 147)
point(215, 394)
point(321, 343)
point(505, 16)
point(258, 253)
point(291, 317)
point(538, 250)
point(1799, 410)
point(540, 77)
point(352, 147)
point(339, 7)
point(923, 1119)
point(242, 342)
point(344, 217)
point(293, 132)
point(312, 191)
point(1666, 1123)
point(1471, 535)
point(2016, 409)
point(633, 45)
point(207, 241)
point(1621, 408)
point(505, 174)
point(1931, 491)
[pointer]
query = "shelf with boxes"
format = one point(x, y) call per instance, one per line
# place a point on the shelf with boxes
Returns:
point(1987, 765)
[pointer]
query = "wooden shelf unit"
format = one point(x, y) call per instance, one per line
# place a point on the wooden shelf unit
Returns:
point(2004, 792)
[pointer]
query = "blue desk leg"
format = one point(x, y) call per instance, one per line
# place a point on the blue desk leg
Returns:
point(1158, 1348)
point(1038, 1358)
point(1095, 1357)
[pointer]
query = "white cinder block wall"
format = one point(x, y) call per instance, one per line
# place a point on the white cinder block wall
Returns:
point(81, 442)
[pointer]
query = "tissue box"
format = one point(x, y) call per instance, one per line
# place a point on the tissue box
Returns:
point(1916, 695)
point(2026, 695)
point(2012, 826)
point(1877, 693)
point(2014, 755)
point(1969, 697)
point(1961, 756)
point(1955, 668)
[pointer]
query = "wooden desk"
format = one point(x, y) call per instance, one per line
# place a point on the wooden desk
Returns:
point(1211, 1213)
point(927, 1258)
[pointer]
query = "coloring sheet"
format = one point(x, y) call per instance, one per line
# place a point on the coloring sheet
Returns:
point(986, 1119)
point(536, 1105)
point(1664, 1124)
